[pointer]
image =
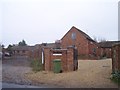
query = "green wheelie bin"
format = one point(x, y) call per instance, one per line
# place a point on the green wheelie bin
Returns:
point(57, 65)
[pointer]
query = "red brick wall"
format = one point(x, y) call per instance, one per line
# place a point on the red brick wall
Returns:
point(116, 58)
point(70, 58)
point(47, 59)
point(93, 50)
point(108, 52)
point(99, 52)
point(105, 52)
point(67, 59)
point(62, 57)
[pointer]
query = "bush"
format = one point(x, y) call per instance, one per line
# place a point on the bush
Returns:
point(116, 77)
point(36, 65)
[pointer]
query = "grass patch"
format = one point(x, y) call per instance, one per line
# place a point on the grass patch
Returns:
point(36, 65)
point(116, 77)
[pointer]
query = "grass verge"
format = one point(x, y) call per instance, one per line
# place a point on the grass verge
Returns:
point(116, 77)
point(36, 65)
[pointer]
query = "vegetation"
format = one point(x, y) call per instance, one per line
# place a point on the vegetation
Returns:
point(2, 46)
point(99, 39)
point(116, 77)
point(9, 49)
point(36, 65)
point(22, 43)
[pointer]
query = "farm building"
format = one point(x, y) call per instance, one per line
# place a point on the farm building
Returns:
point(106, 48)
point(32, 52)
point(28, 51)
point(21, 50)
point(86, 46)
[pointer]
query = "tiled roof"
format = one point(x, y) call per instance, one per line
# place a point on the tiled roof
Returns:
point(23, 48)
point(51, 45)
point(107, 44)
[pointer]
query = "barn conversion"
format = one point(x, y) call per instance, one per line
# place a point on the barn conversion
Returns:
point(87, 47)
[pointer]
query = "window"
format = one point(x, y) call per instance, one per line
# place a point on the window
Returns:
point(94, 51)
point(73, 36)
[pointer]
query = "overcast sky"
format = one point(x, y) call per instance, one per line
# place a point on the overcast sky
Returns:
point(40, 21)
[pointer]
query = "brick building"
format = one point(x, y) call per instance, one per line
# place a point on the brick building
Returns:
point(28, 51)
point(20, 50)
point(106, 48)
point(87, 47)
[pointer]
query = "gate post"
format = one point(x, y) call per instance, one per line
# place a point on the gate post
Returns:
point(47, 59)
point(70, 58)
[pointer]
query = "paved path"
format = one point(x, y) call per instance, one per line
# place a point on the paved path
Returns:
point(11, 85)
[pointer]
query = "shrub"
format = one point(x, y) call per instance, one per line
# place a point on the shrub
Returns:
point(116, 77)
point(36, 65)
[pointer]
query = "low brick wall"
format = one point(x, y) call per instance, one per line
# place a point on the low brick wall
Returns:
point(67, 56)
point(116, 57)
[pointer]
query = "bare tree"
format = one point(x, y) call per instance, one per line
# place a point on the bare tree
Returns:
point(102, 40)
point(99, 39)
point(95, 38)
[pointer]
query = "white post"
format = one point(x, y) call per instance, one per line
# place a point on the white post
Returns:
point(42, 56)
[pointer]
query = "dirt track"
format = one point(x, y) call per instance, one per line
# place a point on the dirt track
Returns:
point(91, 74)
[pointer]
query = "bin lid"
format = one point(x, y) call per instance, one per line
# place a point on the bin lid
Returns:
point(56, 60)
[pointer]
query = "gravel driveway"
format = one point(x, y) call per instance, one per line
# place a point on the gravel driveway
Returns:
point(91, 74)
point(14, 69)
